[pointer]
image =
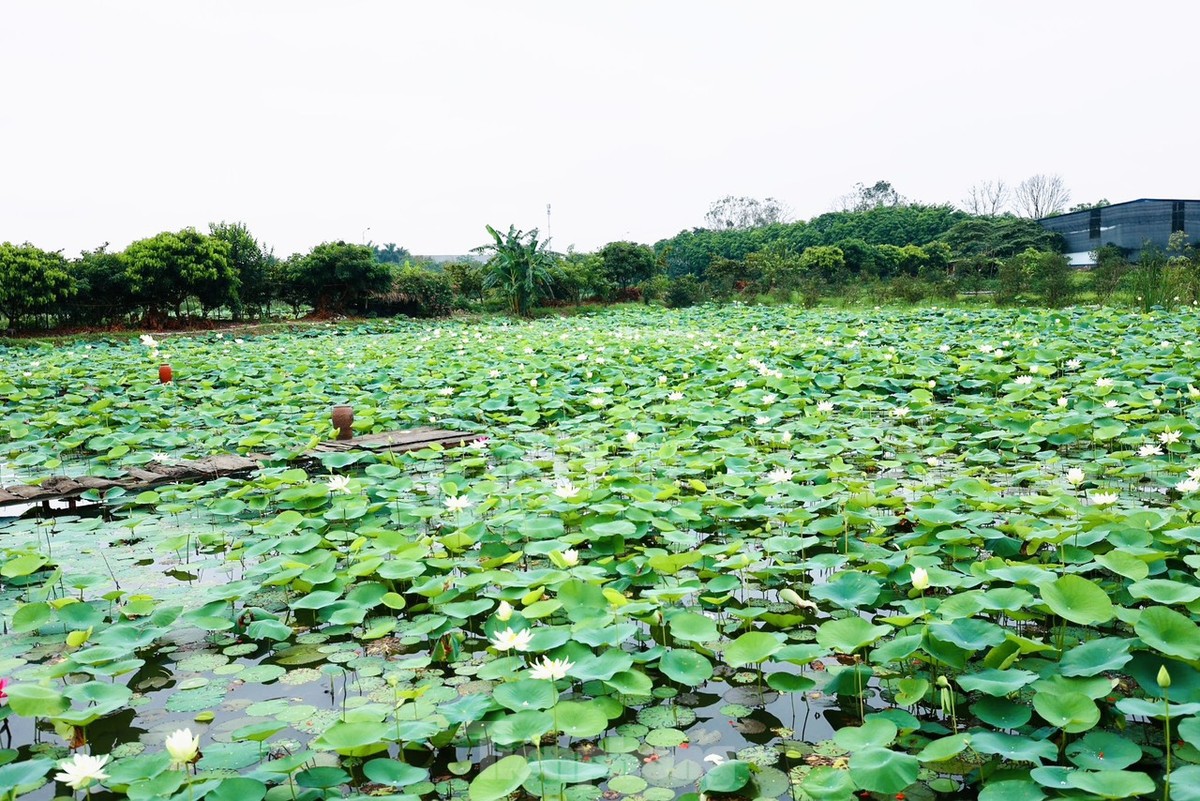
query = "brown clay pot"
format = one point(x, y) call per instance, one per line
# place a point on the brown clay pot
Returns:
point(343, 418)
point(165, 374)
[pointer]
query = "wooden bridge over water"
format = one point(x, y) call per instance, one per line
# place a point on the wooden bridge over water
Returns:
point(154, 474)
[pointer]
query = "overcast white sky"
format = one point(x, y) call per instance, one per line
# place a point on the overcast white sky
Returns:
point(424, 121)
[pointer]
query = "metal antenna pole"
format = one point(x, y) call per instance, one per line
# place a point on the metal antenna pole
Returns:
point(547, 220)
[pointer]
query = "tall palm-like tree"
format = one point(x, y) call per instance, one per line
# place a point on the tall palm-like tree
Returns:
point(518, 267)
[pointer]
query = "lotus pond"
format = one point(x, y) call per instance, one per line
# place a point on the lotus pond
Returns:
point(737, 552)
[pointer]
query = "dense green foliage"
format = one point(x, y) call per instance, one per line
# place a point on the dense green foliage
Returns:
point(518, 267)
point(337, 277)
point(882, 249)
point(32, 281)
point(753, 552)
point(415, 292)
point(691, 251)
point(166, 270)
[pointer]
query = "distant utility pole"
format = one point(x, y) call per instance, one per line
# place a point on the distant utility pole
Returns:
point(547, 220)
point(365, 232)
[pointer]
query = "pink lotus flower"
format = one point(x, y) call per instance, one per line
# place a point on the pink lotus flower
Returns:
point(3, 695)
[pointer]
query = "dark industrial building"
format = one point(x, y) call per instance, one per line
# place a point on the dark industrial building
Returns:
point(1128, 225)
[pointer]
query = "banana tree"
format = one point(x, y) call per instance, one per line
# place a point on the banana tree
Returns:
point(518, 267)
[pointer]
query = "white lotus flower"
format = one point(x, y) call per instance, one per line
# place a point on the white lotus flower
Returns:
point(1169, 437)
point(933, 461)
point(513, 640)
point(780, 475)
point(493, 374)
point(479, 444)
point(1110, 404)
point(770, 398)
point(148, 341)
point(564, 489)
point(570, 557)
point(81, 770)
point(762, 420)
point(504, 611)
point(183, 748)
point(944, 348)
point(631, 438)
point(1104, 382)
point(715, 759)
point(1075, 476)
point(825, 406)
point(1062, 402)
point(739, 384)
point(339, 484)
point(1074, 364)
point(1149, 450)
point(1024, 379)
point(900, 412)
point(675, 396)
point(552, 669)
point(1188, 485)
point(447, 391)
point(1104, 498)
point(456, 503)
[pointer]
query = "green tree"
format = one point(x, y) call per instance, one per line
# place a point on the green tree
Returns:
point(744, 212)
point(288, 281)
point(416, 292)
point(726, 276)
point(1112, 265)
point(250, 261)
point(336, 277)
point(167, 269)
point(32, 281)
point(466, 277)
point(391, 253)
point(778, 266)
point(104, 289)
point(824, 263)
point(865, 198)
point(1045, 272)
point(627, 263)
point(518, 267)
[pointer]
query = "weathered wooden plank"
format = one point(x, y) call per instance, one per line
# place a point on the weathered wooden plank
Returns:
point(210, 467)
point(28, 493)
point(93, 482)
point(143, 475)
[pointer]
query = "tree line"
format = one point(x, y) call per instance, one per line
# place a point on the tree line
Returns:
point(879, 247)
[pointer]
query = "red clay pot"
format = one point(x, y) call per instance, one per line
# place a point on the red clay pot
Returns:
point(343, 418)
point(165, 374)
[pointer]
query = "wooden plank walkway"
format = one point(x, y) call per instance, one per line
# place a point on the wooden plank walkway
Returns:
point(154, 474)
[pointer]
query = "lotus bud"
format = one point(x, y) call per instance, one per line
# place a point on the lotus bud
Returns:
point(920, 579)
point(1164, 678)
point(504, 611)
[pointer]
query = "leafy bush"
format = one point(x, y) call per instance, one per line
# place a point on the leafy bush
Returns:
point(416, 292)
point(466, 279)
point(686, 290)
point(336, 276)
